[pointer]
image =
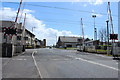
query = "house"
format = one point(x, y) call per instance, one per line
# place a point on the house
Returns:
point(29, 38)
point(68, 41)
point(91, 46)
point(91, 43)
point(11, 44)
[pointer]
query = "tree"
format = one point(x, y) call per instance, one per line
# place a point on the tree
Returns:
point(103, 35)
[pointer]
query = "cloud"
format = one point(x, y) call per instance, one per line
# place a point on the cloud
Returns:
point(95, 2)
point(41, 31)
point(85, 5)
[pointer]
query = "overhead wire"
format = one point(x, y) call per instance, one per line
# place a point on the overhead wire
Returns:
point(63, 8)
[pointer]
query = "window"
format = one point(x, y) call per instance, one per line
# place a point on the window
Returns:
point(4, 36)
point(25, 38)
point(18, 37)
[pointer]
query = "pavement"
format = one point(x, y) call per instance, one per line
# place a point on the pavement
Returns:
point(57, 63)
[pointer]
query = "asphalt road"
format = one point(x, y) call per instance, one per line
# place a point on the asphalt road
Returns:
point(57, 63)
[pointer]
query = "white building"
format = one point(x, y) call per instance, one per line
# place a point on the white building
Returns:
point(29, 38)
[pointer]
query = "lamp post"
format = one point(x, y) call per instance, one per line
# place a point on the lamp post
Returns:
point(33, 28)
point(107, 37)
point(31, 37)
point(95, 33)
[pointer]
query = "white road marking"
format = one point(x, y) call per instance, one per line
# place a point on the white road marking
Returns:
point(99, 55)
point(36, 64)
point(102, 56)
point(19, 59)
point(24, 56)
point(60, 59)
point(23, 53)
point(95, 63)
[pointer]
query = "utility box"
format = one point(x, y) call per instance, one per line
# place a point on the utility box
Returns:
point(116, 49)
point(7, 50)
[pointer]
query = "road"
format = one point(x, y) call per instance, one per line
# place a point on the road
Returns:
point(58, 63)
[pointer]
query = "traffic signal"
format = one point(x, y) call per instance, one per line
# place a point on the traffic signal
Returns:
point(3, 29)
point(8, 30)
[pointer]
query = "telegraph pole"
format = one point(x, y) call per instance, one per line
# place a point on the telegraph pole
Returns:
point(23, 34)
point(82, 35)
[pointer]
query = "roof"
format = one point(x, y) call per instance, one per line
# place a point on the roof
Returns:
point(5, 23)
point(69, 39)
point(29, 32)
point(91, 41)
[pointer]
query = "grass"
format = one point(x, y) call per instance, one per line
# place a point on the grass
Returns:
point(102, 50)
point(69, 48)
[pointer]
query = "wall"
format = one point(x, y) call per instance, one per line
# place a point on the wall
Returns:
point(73, 44)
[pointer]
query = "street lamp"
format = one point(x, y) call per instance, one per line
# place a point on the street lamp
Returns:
point(33, 28)
point(95, 30)
point(107, 37)
point(31, 36)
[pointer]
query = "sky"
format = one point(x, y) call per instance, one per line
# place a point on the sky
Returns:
point(54, 19)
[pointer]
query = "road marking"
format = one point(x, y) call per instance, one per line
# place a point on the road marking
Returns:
point(36, 64)
point(99, 55)
point(102, 56)
point(95, 63)
point(60, 59)
point(19, 59)
point(98, 64)
point(23, 53)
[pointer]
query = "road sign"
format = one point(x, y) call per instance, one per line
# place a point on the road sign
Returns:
point(113, 36)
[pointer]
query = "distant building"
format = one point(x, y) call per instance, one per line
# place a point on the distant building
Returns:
point(43, 43)
point(91, 43)
point(66, 41)
point(37, 43)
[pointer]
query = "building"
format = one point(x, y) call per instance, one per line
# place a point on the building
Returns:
point(29, 38)
point(91, 43)
point(37, 43)
point(43, 43)
point(11, 44)
point(67, 41)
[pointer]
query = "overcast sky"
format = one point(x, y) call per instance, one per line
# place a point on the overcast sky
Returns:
point(53, 19)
